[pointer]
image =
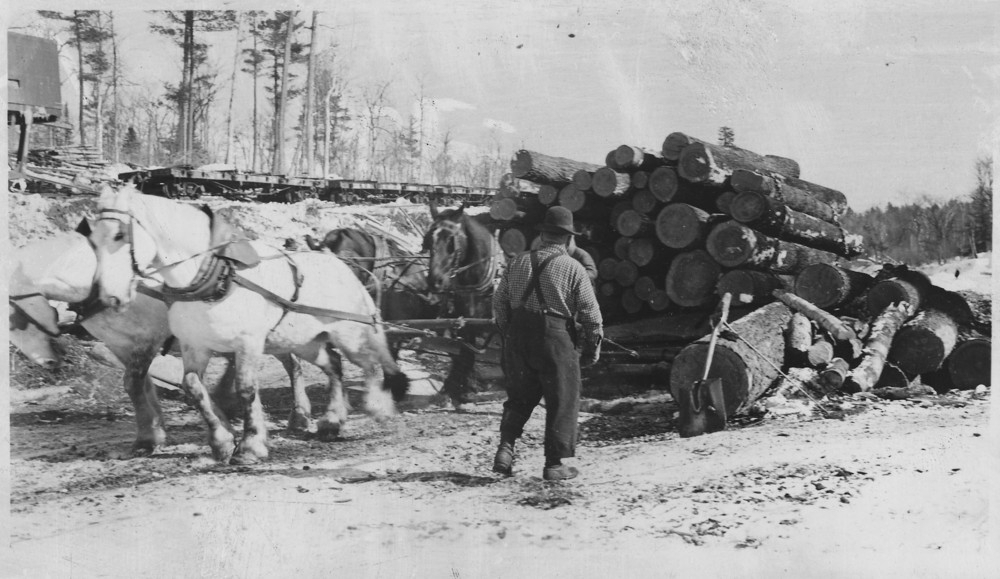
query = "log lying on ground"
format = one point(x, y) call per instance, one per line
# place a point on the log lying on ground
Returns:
point(892, 377)
point(692, 278)
point(607, 182)
point(982, 311)
point(714, 164)
point(750, 287)
point(546, 169)
point(682, 226)
point(912, 390)
point(922, 345)
point(864, 377)
point(678, 327)
point(831, 324)
point(633, 158)
point(969, 364)
point(735, 245)
point(820, 202)
point(833, 376)
point(893, 291)
point(770, 216)
point(828, 286)
point(746, 372)
point(798, 340)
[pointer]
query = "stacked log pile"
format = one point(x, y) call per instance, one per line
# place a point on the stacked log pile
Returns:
point(69, 169)
point(672, 229)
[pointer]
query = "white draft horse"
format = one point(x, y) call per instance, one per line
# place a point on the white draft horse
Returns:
point(63, 268)
point(276, 305)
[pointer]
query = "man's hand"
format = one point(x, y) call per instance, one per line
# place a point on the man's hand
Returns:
point(589, 358)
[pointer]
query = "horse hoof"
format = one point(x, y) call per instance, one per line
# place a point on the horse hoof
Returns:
point(298, 422)
point(327, 431)
point(244, 459)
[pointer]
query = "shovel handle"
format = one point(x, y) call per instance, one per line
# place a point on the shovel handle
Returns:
point(726, 298)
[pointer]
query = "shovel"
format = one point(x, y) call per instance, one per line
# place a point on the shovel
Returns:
point(703, 405)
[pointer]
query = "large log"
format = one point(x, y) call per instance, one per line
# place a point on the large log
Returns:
point(644, 201)
point(546, 169)
point(893, 291)
point(770, 216)
point(511, 186)
point(864, 377)
point(682, 226)
point(663, 183)
point(735, 245)
point(679, 327)
point(674, 144)
point(631, 223)
point(649, 253)
point(821, 202)
point(713, 164)
point(746, 372)
point(922, 345)
point(572, 198)
point(892, 377)
point(969, 364)
point(750, 287)
point(610, 183)
point(633, 158)
point(583, 179)
point(827, 286)
point(692, 278)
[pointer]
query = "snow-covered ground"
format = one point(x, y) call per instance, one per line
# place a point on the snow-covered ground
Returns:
point(974, 274)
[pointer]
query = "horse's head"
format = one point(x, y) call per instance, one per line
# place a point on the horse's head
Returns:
point(123, 244)
point(446, 241)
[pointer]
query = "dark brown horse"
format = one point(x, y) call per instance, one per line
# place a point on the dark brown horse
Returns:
point(465, 262)
point(395, 277)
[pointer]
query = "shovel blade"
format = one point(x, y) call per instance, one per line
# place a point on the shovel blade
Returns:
point(702, 408)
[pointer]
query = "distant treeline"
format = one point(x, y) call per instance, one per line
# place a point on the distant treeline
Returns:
point(930, 230)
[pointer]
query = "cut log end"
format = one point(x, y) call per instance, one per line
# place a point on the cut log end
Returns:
point(680, 226)
point(731, 244)
point(748, 207)
point(609, 183)
point(692, 278)
point(513, 241)
point(662, 183)
point(969, 364)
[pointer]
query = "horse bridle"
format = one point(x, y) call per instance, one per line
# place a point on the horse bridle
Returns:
point(12, 300)
point(461, 240)
point(106, 215)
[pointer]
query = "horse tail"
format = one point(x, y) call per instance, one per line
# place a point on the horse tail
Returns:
point(394, 380)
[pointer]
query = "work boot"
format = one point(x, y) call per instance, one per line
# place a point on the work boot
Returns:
point(503, 462)
point(559, 472)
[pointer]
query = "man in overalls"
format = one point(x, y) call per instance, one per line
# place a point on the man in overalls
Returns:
point(535, 306)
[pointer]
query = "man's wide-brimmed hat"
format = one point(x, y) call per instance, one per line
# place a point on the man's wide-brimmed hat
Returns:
point(558, 220)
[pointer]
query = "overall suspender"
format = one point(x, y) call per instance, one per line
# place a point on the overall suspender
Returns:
point(534, 285)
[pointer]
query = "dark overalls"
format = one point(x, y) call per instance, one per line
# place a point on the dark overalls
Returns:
point(540, 360)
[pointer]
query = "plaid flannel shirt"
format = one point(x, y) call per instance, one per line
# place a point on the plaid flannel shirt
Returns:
point(565, 285)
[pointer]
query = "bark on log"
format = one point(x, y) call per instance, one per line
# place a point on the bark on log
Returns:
point(798, 340)
point(864, 377)
point(626, 273)
point(511, 186)
point(631, 302)
point(802, 196)
point(644, 201)
point(572, 198)
point(631, 223)
point(749, 287)
point(682, 226)
point(610, 183)
point(546, 169)
point(746, 373)
point(583, 179)
point(922, 345)
point(714, 164)
point(833, 325)
point(674, 144)
point(820, 353)
point(828, 286)
point(692, 278)
point(833, 376)
point(648, 253)
point(632, 158)
point(969, 364)
point(982, 311)
point(772, 217)
point(735, 245)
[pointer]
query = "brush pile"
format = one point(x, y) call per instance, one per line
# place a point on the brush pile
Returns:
point(673, 229)
point(69, 169)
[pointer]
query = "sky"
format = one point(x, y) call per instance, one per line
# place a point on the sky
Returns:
point(886, 101)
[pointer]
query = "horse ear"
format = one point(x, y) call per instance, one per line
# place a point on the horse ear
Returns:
point(434, 208)
point(84, 228)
